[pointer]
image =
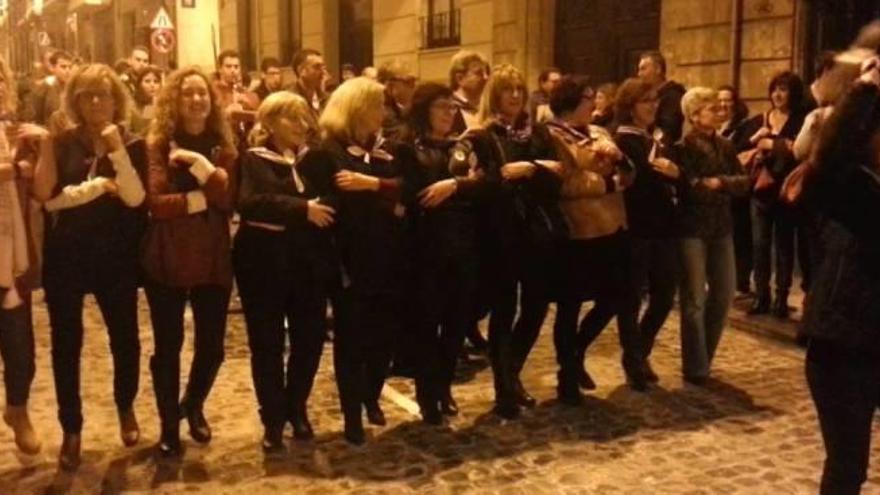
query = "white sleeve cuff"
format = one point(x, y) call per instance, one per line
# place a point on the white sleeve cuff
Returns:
point(201, 170)
point(80, 194)
point(196, 202)
point(131, 191)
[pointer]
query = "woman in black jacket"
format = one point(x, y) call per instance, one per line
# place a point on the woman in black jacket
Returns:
point(369, 235)
point(444, 179)
point(650, 209)
point(91, 177)
point(522, 225)
point(284, 262)
point(842, 319)
point(772, 136)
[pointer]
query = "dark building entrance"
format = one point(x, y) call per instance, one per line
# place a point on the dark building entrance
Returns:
point(356, 33)
point(604, 38)
point(833, 24)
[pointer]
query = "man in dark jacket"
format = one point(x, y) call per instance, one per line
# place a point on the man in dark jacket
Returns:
point(47, 96)
point(652, 68)
point(271, 79)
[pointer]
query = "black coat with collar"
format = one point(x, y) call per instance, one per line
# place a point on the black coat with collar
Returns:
point(369, 226)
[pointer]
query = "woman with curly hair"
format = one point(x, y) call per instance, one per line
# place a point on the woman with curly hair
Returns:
point(91, 183)
point(187, 257)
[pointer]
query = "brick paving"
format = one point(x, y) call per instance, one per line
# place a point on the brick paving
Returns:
point(752, 431)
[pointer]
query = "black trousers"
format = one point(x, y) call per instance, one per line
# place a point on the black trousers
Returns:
point(597, 269)
point(275, 285)
point(743, 247)
point(528, 279)
point(654, 266)
point(117, 300)
point(167, 304)
point(845, 385)
point(773, 230)
point(365, 325)
point(17, 350)
point(446, 290)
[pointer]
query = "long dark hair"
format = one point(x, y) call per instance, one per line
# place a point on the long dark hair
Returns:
point(795, 85)
point(420, 112)
point(139, 96)
point(740, 109)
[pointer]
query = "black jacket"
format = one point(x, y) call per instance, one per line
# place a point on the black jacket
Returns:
point(670, 118)
point(845, 191)
point(275, 193)
point(702, 212)
point(651, 200)
point(369, 224)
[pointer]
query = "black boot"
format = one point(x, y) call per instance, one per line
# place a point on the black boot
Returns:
point(431, 412)
point(299, 420)
point(567, 389)
point(522, 396)
point(760, 306)
point(273, 440)
point(69, 455)
point(375, 415)
point(780, 307)
point(169, 446)
point(199, 429)
point(448, 406)
point(354, 428)
point(649, 373)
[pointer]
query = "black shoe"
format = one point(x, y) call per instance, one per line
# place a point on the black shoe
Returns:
point(199, 429)
point(637, 381)
point(522, 396)
point(169, 446)
point(584, 380)
point(761, 306)
point(699, 381)
point(354, 432)
point(649, 373)
point(302, 428)
point(448, 406)
point(567, 390)
point(506, 409)
point(375, 416)
point(69, 455)
point(780, 308)
point(129, 431)
point(431, 413)
point(273, 440)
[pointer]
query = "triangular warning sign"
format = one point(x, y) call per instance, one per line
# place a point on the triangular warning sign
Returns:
point(162, 20)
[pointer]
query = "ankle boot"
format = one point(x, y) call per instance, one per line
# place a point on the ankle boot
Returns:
point(302, 428)
point(169, 446)
point(354, 429)
point(273, 440)
point(522, 396)
point(129, 430)
point(567, 389)
point(199, 429)
point(26, 438)
point(69, 455)
point(375, 415)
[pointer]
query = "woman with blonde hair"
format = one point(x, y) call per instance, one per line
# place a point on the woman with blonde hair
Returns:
point(19, 271)
point(91, 182)
point(521, 228)
point(187, 256)
point(712, 176)
point(284, 262)
point(369, 233)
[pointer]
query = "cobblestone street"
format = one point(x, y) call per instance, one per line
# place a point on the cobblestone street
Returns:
point(752, 430)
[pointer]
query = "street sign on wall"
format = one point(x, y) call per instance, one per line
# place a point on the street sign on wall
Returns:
point(163, 40)
point(162, 20)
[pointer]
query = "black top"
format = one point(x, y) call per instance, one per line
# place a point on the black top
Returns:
point(275, 192)
point(651, 201)
point(103, 234)
point(369, 224)
point(845, 191)
point(780, 161)
point(704, 213)
point(670, 118)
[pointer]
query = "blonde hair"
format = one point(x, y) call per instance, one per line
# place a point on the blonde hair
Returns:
point(167, 118)
point(460, 63)
point(695, 100)
point(277, 105)
point(504, 77)
point(91, 76)
point(348, 105)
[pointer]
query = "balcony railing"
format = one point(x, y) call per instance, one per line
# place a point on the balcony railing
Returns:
point(441, 29)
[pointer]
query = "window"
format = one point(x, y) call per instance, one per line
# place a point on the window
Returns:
point(441, 27)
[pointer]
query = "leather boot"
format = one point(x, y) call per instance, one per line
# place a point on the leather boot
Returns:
point(26, 438)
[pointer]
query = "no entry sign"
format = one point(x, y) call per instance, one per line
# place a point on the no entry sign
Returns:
point(163, 40)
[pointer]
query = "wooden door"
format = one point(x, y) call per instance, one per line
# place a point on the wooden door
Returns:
point(604, 38)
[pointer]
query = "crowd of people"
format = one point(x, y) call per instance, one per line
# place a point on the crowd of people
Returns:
point(417, 209)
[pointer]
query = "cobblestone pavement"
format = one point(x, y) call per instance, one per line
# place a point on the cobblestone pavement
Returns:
point(752, 431)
